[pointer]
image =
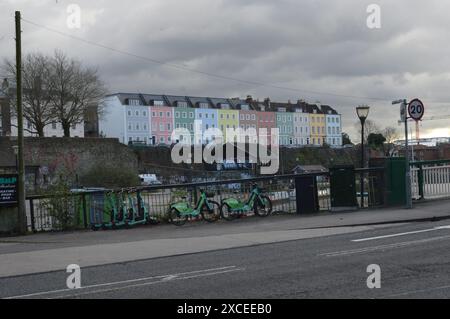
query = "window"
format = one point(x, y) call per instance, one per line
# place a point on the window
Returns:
point(158, 103)
point(228, 116)
point(137, 126)
point(207, 126)
point(144, 113)
point(247, 117)
point(221, 116)
point(203, 105)
point(168, 114)
point(212, 115)
point(183, 115)
point(153, 114)
point(160, 114)
point(253, 117)
point(206, 115)
point(161, 139)
point(168, 126)
point(54, 126)
point(242, 117)
point(182, 104)
point(191, 115)
point(129, 113)
point(145, 127)
point(199, 115)
point(74, 126)
point(177, 115)
point(161, 127)
point(136, 113)
point(133, 102)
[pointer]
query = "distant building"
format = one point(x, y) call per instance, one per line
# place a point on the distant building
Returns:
point(151, 119)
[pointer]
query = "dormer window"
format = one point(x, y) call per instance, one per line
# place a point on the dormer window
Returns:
point(133, 102)
point(203, 105)
point(244, 107)
point(224, 106)
point(182, 104)
point(158, 103)
point(281, 109)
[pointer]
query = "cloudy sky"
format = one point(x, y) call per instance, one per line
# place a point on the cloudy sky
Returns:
point(317, 50)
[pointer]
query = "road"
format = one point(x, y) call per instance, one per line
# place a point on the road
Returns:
point(414, 260)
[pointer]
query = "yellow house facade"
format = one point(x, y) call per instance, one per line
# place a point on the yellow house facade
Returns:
point(227, 119)
point(317, 126)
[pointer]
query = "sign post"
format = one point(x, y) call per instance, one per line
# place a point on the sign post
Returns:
point(416, 110)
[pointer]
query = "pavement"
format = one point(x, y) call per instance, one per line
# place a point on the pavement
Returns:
point(322, 255)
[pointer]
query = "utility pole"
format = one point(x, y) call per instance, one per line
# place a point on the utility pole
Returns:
point(404, 118)
point(21, 181)
point(408, 169)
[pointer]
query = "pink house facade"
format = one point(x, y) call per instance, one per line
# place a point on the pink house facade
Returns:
point(161, 124)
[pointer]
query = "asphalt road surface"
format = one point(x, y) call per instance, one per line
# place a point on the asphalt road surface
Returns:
point(414, 260)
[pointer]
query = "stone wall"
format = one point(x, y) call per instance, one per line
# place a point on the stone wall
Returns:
point(49, 154)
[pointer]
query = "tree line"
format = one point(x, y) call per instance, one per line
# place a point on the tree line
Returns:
point(56, 89)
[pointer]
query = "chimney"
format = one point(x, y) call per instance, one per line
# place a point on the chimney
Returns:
point(249, 99)
point(267, 102)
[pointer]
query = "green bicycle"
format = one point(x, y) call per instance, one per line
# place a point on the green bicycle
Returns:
point(208, 209)
point(260, 204)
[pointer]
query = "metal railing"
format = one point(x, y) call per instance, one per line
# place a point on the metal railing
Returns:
point(43, 212)
point(374, 186)
point(430, 179)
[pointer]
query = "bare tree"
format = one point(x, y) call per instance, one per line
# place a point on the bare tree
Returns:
point(391, 134)
point(75, 88)
point(36, 91)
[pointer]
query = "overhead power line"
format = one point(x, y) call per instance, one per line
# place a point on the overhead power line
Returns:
point(209, 74)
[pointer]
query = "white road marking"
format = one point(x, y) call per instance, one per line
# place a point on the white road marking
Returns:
point(146, 283)
point(160, 278)
point(402, 234)
point(382, 247)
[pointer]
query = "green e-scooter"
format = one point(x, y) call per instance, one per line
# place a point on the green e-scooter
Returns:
point(208, 209)
point(260, 204)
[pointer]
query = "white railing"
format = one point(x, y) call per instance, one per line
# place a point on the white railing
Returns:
point(436, 181)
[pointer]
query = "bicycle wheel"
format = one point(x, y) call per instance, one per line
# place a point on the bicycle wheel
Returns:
point(263, 206)
point(176, 218)
point(213, 214)
point(226, 213)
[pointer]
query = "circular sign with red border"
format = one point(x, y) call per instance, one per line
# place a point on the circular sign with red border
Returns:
point(416, 109)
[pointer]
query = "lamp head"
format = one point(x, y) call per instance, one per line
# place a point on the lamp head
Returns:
point(362, 111)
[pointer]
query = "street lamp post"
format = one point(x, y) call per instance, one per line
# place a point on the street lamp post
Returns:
point(16, 153)
point(362, 112)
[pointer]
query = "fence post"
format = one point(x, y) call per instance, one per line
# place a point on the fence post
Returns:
point(83, 198)
point(33, 226)
point(420, 181)
point(139, 204)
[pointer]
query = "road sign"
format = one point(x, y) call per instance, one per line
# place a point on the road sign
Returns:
point(8, 189)
point(416, 109)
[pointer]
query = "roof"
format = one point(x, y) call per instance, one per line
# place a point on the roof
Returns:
point(172, 99)
point(197, 99)
point(235, 103)
point(326, 109)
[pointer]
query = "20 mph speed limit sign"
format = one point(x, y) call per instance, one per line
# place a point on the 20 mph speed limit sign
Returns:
point(416, 109)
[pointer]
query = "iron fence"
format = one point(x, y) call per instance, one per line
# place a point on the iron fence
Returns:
point(80, 207)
